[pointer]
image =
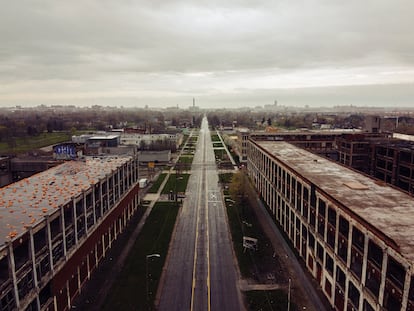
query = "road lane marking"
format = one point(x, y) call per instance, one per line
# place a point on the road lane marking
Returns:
point(195, 243)
point(208, 250)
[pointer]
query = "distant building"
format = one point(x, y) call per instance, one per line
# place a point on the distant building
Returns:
point(162, 156)
point(147, 140)
point(5, 171)
point(319, 142)
point(354, 235)
point(373, 124)
point(243, 135)
point(388, 159)
point(103, 141)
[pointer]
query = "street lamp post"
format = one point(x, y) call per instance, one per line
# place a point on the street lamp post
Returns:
point(146, 274)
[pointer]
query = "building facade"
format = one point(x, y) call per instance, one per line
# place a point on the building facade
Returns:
point(319, 142)
point(388, 159)
point(354, 235)
point(56, 227)
point(148, 140)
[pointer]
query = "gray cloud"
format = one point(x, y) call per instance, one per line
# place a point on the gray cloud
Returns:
point(85, 46)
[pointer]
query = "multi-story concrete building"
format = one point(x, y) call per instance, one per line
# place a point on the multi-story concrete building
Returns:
point(243, 135)
point(393, 163)
point(148, 140)
point(388, 159)
point(355, 235)
point(56, 226)
point(319, 142)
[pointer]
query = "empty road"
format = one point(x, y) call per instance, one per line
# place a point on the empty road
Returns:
point(200, 272)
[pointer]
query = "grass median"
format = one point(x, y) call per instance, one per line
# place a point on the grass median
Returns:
point(157, 184)
point(215, 137)
point(272, 300)
point(176, 182)
point(136, 285)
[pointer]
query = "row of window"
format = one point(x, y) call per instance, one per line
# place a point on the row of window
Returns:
point(309, 220)
point(81, 215)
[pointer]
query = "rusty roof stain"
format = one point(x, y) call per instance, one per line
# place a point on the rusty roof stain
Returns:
point(25, 203)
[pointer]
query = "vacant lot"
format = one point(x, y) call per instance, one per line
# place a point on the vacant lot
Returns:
point(20, 145)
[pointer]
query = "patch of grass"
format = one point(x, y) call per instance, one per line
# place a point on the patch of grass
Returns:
point(184, 162)
point(186, 159)
point(225, 178)
point(243, 222)
point(24, 144)
point(180, 179)
point(220, 154)
point(129, 291)
point(193, 139)
point(236, 229)
point(157, 184)
point(215, 137)
point(274, 300)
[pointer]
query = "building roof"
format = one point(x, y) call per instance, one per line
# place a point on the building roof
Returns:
point(388, 210)
point(25, 203)
point(108, 137)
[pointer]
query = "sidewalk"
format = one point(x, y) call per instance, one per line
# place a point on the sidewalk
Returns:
point(300, 280)
point(97, 293)
point(228, 152)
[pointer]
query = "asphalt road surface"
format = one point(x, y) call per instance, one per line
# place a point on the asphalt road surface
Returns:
point(200, 270)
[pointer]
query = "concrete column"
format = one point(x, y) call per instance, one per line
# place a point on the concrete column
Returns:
point(55, 302)
point(85, 216)
point(12, 268)
point(49, 240)
point(93, 203)
point(79, 278)
point(348, 258)
point(107, 191)
point(96, 254)
point(68, 294)
point(88, 266)
point(123, 178)
point(33, 257)
point(346, 290)
point(113, 187)
point(383, 277)
point(110, 236)
point(62, 223)
point(406, 289)
point(336, 231)
point(119, 182)
point(365, 261)
point(75, 221)
point(101, 197)
point(103, 246)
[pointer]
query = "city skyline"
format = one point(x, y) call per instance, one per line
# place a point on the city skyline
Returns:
point(160, 54)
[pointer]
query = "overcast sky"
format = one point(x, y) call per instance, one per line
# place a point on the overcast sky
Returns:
point(224, 53)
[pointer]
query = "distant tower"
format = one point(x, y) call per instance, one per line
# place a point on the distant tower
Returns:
point(275, 102)
point(193, 102)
